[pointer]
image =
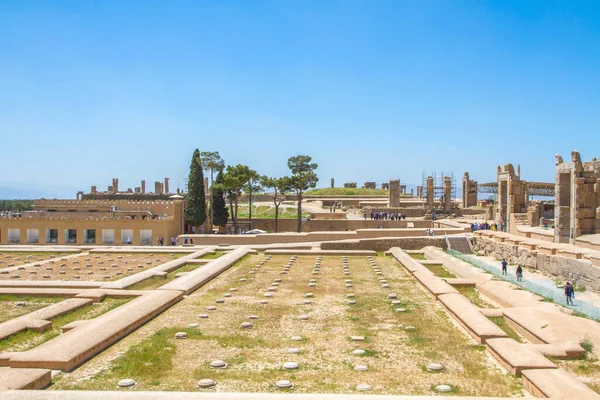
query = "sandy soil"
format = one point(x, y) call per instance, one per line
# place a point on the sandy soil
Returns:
point(91, 267)
point(396, 354)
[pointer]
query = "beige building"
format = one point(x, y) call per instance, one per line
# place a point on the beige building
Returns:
point(108, 222)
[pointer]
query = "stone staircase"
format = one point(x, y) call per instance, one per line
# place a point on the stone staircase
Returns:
point(460, 244)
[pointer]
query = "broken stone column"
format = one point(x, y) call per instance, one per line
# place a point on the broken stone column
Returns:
point(394, 195)
point(166, 186)
point(469, 191)
point(115, 185)
point(429, 193)
point(370, 185)
point(332, 183)
point(447, 193)
point(143, 187)
point(157, 187)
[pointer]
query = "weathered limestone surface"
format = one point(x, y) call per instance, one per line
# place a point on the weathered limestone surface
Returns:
point(435, 285)
point(23, 379)
point(193, 280)
point(51, 284)
point(469, 316)
point(383, 244)
point(556, 384)
point(33, 319)
point(549, 325)
point(516, 357)
point(166, 267)
point(72, 348)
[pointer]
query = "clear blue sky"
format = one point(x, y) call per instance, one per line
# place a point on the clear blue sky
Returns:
point(372, 90)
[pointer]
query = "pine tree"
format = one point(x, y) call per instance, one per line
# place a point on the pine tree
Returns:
point(195, 209)
point(219, 211)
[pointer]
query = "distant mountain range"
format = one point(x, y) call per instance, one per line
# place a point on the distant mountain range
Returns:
point(10, 190)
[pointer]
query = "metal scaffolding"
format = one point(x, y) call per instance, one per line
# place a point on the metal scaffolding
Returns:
point(438, 185)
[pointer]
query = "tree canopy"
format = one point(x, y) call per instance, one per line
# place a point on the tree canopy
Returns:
point(278, 186)
point(218, 207)
point(195, 210)
point(303, 178)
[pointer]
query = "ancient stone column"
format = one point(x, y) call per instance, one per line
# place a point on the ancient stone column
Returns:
point(157, 187)
point(429, 193)
point(166, 185)
point(115, 185)
point(394, 195)
point(447, 193)
point(332, 183)
point(143, 187)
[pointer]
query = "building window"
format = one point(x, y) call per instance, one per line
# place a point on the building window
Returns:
point(51, 235)
point(33, 235)
point(70, 235)
point(108, 236)
point(89, 236)
point(145, 236)
point(14, 236)
point(126, 236)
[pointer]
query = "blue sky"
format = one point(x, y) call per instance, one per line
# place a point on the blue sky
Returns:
point(372, 90)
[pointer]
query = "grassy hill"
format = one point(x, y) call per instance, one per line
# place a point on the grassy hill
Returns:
point(347, 192)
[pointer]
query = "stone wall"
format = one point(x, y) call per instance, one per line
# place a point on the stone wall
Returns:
point(409, 243)
point(558, 267)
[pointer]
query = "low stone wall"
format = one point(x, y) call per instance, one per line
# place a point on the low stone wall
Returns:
point(580, 271)
point(383, 244)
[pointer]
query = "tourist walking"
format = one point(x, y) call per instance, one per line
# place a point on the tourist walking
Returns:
point(173, 241)
point(569, 293)
point(504, 266)
point(519, 274)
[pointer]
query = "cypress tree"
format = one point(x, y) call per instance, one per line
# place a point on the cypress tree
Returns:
point(220, 211)
point(195, 209)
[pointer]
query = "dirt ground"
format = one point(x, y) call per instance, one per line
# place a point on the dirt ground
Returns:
point(9, 308)
point(14, 258)
point(398, 345)
point(89, 267)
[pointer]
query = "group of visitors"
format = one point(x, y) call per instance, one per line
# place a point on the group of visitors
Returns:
point(160, 241)
point(484, 226)
point(429, 232)
point(381, 216)
point(569, 288)
point(518, 272)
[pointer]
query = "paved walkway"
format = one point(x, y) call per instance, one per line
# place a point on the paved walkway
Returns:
point(585, 302)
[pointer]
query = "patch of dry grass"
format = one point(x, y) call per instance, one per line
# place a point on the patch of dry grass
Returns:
point(95, 266)
point(8, 309)
point(396, 357)
point(26, 340)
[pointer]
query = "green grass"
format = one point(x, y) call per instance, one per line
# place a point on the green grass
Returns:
point(440, 271)
point(27, 299)
point(148, 360)
point(501, 322)
point(26, 340)
point(418, 256)
point(347, 192)
point(587, 345)
point(259, 212)
point(156, 282)
point(472, 294)
point(9, 311)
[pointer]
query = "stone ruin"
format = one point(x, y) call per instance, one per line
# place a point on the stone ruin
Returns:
point(577, 209)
